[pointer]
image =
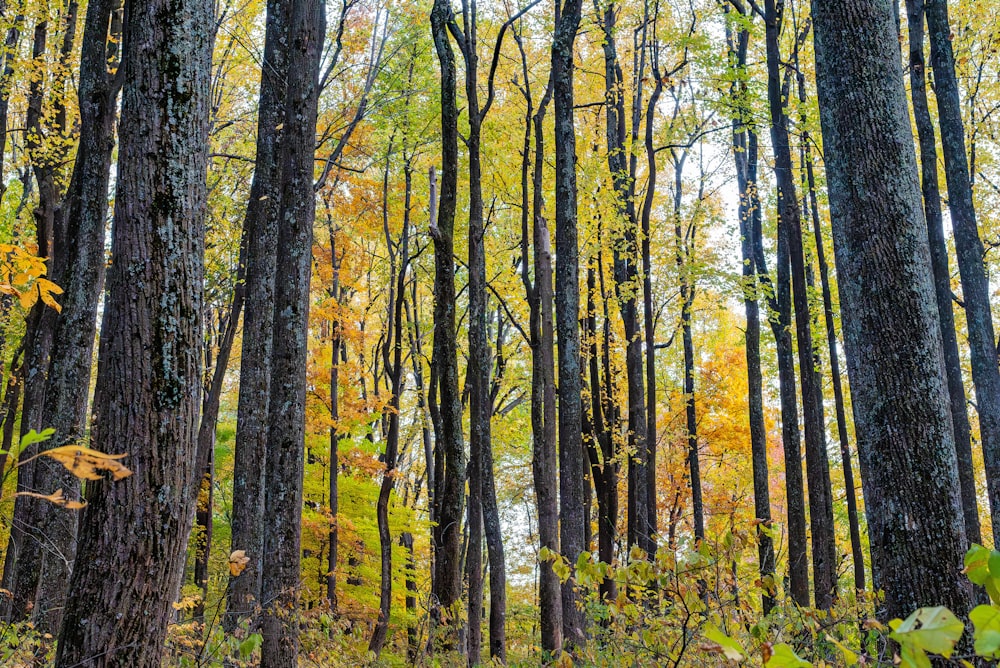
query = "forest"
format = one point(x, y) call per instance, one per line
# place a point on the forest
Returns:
point(489, 332)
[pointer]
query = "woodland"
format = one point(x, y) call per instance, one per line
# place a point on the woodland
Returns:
point(527, 332)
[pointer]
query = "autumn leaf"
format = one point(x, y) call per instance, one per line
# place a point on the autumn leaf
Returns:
point(87, 464)
point(56, 498)
point(238, 561)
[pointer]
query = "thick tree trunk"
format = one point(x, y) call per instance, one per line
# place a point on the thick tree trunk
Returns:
point(148, 385)
point(567, 293)
point(286, 410)
point(889, 310)
point(261, 232)
point(969, 249)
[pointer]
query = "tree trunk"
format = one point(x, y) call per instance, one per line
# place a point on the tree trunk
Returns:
point(745, 154)
point(942, 273)
point(969, 249)
point(567, 293)
point(395, 372)
point(543, 390)
point(286, 410)
point(889, 310)
point(626, 275)
point(80, 248)
point(451, 499)
point(789, 223)
point(148, 385)
point(261, 232)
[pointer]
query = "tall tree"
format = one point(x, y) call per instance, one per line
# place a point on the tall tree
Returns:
point(146, 401)
point(790, 227)
point(80, 248)
point(540, 324)
point(939, 263)
point(286, 411)
point(745, 154)
point(261, 233)
point(626, 271)
point(968, 249)
point(450, 495)
point(567, 298)
point(892, 333)
point(399, 253)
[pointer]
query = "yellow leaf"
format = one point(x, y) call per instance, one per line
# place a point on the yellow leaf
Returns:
point(57, 498)
point(238, 561)
point(87, 464)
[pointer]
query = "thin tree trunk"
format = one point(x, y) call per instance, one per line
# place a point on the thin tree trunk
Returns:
point(148, 385)
point(746, 164)
point(451, 499)
point(939, 264)
point(626, 275)
point(889, 310)
point(395, 371)
point(789, 224)
point(543, 391)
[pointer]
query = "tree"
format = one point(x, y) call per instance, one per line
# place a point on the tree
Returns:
point(449, 498)
point(567, 297)
point(80, 248)
point(146, 401)
point(892, 333)
point(286, 410)
point(790, 227)
point(261, 233)
point(969, 251)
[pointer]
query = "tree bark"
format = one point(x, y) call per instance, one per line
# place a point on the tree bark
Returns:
point(626, 273)
point(80, 249)
point(745, 155)
point(543, 390)
point(969, 250)
point(567, 297)
point(451, 499)
point(289, 355)
point(789, 224)
point(147, 397)
point(891, 326)
point(379, 633)
point(261, 232)
point(939, 264)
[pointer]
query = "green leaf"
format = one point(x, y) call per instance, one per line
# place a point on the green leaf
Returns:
point(783, 656)
point(850, 657)
point(986, 622)
point(730, 648)
point(933, 630)
point(33, 437)
point(977, 564)
point(250, 645)
point(994, 563)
